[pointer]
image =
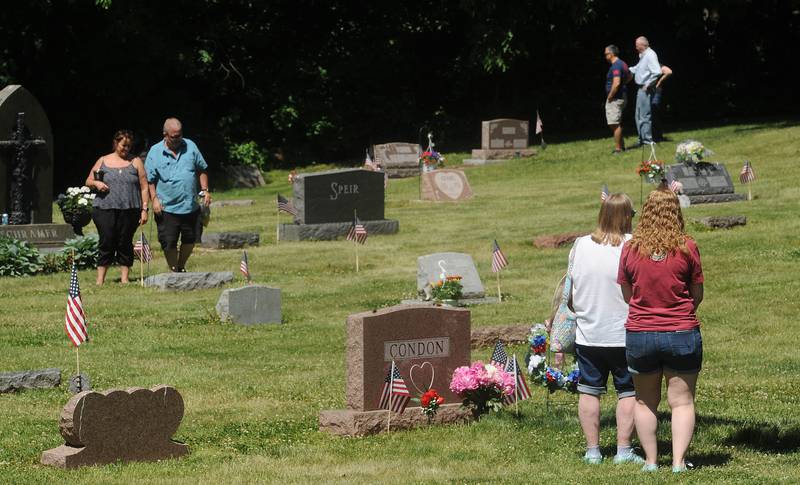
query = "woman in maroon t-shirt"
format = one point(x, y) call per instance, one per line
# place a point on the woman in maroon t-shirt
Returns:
point(662, 281)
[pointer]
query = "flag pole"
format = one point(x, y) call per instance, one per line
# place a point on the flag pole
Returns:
point(141, 260)
point(391, 388)
point(749, 192)
point(277, 226)
point(499, 294)
point(355, 237)
point(77, 347)
point(516, 383)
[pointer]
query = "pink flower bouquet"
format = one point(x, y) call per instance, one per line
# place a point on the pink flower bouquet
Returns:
point(482, 387)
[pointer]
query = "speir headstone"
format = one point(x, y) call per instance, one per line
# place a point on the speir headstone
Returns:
point(250, 305)
point(37, 177)
point(398, 159)
point(334, 195)
point(445, 185)
point(432, 266)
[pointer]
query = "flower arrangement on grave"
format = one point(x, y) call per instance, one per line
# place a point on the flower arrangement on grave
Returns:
point(551, 378)
point(431, 160)
point(449, 288)
point(430, 402)
point(691, 151)
point(76, 207)
point(482, 387)
point(652, 171)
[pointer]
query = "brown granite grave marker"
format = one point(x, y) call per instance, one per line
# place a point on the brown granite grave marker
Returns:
point(502, 139)
point(426, 343)
point(445, 185)
point(132, 424)
point(398, 159)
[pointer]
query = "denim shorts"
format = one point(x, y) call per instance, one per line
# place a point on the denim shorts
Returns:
point(678, 352)
point(595, 363)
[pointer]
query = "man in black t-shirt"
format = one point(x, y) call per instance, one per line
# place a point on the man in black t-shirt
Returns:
point(616, 94)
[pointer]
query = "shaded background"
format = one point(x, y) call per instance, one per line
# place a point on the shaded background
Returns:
point(308, 81)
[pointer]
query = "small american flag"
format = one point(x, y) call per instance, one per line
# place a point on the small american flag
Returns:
point(747, 175)
point(286, 206)
point(358, 232)
point(521, 391)
point(499, 260)
point(142, 250)
point(539, 125)
point(395, 395)
point(604, 193)
point(676, 186)
point(499, 356)
point(243, 267)
point(75, 320)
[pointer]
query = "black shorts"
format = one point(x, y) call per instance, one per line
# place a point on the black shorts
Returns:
point(172, 226)
point(595, 363)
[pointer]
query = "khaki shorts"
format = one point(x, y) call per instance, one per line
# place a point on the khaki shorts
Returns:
point(614, 111)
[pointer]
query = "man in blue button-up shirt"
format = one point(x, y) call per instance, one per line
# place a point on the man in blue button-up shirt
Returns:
point(645, 74)
point(174, 168)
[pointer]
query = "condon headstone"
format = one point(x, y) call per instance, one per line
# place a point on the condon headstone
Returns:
point(426, 343)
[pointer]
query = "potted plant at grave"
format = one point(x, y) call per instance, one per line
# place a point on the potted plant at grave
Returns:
point(651, 171)
point(691, 152)
point(482, 387)
point(447, 291)
point(430, 402)
point(430, 160)
point(76, 207)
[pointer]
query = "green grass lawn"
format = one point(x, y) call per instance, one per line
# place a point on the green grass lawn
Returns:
point(253, 395)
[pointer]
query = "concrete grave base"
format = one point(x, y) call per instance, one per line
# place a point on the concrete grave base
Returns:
point(463, 302)
point(347, 422)
point(250, 305)
point(188, 281)
point(477, 162)
point(330, 231)
point(229, 240)
point(716, 198)
point(503, 154)
point(29, 379)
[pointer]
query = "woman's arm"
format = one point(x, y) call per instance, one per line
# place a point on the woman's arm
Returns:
point(696, 290)
point(91, 182)
point(627, 292)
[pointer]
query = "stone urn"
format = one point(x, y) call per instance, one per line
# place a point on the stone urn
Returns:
point(77, 219)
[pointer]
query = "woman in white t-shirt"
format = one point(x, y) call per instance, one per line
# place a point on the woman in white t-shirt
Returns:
point(600, 339)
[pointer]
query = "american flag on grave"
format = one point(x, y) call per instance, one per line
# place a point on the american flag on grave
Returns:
point(285, 206)
point(676, 186)
point(142, 249)
point(357, 233)
point(499, 356)
point(244, 267)
point(747, 174)
point(604, 193)
point(395, 395)
point(499, 260)
point(539, 124)
point(75, 319)
point(521, 391)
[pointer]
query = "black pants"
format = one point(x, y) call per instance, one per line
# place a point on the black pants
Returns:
point(116, 228)
point(171, 226)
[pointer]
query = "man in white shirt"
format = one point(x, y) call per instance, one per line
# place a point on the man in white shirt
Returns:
point(645, 74)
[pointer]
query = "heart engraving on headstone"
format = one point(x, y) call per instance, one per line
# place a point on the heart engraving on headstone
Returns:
point(450, 184)
point(420, 367)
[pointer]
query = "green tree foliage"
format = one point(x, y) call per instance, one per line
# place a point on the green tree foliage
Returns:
point(321, 80)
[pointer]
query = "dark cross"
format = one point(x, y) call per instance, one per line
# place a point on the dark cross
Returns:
point(20, 178)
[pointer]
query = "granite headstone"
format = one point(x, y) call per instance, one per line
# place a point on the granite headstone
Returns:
point(502, 139)
point(250, 305)
point(229, 240)
point(432, 266)
point(38, 186)
point(398, 159)
point(29, 379)
point(704, 182)
point(119, 425)
point(426, 343)
point(188, 281)
point(445, 185)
